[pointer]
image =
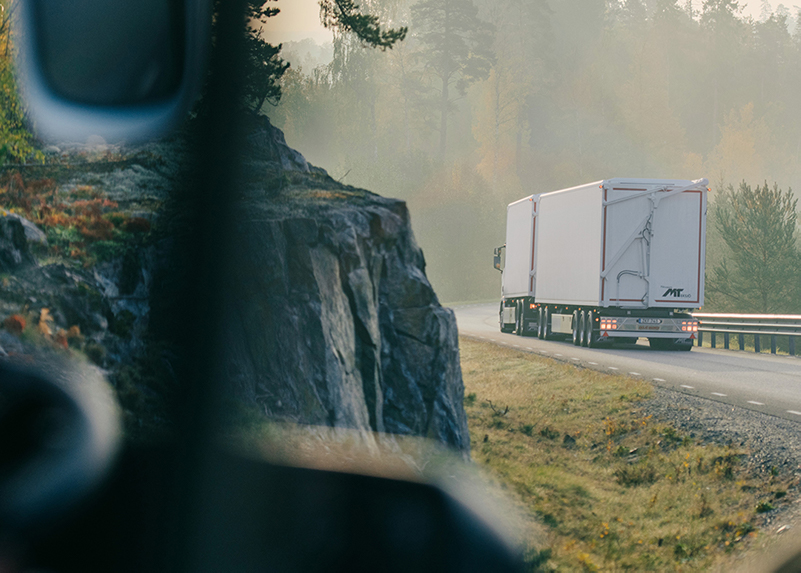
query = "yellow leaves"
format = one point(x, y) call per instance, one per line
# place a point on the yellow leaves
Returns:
point(45, 321)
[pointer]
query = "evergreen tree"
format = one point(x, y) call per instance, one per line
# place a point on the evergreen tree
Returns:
point(456, 48)
point(264, 66)
point(17, 144)
point(763, 268)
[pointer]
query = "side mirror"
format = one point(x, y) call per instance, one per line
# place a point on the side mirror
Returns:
point(119, 70)
point(58, 438)
point(496, 260)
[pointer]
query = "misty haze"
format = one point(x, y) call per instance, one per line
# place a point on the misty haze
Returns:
point(541, 96)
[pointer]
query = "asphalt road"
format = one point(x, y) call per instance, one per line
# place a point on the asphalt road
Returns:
point(761, 382)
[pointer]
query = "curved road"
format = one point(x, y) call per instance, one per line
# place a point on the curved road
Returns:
point(762, 382)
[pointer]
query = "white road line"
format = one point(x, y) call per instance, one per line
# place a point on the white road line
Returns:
point(544, 351)
point(794, 412)
point(573, 358)
point(635, 373)
point(593, 363)
point(718, 394)
point(557, 354)
point(659, 380)
point(612, 368)
point(756, 403)
point(688, 387)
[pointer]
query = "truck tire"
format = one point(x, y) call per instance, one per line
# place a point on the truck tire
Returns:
point(592, 342)
point(540, 324)
point(519, 322)
point(583, 328)
point(577, 334)
point(546, 328)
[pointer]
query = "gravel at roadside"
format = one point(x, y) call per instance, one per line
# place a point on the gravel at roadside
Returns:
point(772, 442)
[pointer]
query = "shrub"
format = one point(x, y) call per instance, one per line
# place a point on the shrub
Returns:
point(634, 475)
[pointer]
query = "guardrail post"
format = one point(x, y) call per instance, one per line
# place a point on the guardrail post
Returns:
point(726, 340)
point(712, 340)
point(700, 338)
point(792, 345)
point(773, 344)
point(741, 341)
point(757, 343)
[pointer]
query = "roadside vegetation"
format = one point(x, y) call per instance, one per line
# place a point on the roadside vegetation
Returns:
point(615, 488)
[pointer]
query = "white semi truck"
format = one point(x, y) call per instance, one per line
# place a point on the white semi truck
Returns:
point(612, 260)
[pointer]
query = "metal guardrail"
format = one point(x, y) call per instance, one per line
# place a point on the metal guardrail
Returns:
point(755, 326)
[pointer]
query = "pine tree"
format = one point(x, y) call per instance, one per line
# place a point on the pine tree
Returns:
point(763, 268)
point(456, 48)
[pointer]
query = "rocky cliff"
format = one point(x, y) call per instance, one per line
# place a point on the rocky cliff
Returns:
point(330, 318)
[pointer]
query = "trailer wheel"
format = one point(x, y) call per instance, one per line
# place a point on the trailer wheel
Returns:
point(588, 334)
point(519, 322)
point(547, 334)
point(583, 328)
point(577, 334)
point(540, 324)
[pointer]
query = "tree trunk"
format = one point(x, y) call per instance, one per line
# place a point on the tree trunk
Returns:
point(443, 123)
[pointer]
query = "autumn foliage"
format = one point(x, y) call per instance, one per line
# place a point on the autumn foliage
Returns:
point(77, 220)
point(15, 324)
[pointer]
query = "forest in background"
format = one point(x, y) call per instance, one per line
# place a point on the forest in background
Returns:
point(541, 95)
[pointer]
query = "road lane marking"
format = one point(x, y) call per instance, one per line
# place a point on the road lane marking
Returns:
point(635, 373)
point(573, 358)
point(544, 351)
point(688, 387)
point(794, 412)
point(658, 380)
point(593, 363)
point(756, 403)
point(718, 394)
point(612, 368)
point(557, 354)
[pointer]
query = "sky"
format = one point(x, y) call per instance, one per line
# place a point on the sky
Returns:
point(300, 19)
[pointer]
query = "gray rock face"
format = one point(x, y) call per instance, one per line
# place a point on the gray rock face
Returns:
point(333, 322)
point(14, 249)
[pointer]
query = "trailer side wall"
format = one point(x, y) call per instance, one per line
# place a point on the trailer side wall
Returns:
point(568, 246)
point(517, 280)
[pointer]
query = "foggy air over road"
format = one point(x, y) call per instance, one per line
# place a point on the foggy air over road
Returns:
point(538, 96)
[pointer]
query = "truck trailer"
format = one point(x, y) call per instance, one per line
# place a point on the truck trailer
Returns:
point(609, 261)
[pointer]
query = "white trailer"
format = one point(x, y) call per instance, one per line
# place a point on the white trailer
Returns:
point(519, 276)
point(611, 260)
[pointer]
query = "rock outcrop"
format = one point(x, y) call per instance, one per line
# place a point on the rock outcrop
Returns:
point(332, 320)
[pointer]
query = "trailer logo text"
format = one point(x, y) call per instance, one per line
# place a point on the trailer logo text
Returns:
point(676, 292)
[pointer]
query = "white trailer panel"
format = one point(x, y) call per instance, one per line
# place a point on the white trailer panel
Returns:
point(630, 243)
point(518, 273)
point(653, 243)
point(568, 249)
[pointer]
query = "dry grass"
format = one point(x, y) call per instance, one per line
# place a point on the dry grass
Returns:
point(616, 489)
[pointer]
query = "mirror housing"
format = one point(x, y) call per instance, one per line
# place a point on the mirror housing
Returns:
point(59, 434)
point(125, 71)
point(496, 259)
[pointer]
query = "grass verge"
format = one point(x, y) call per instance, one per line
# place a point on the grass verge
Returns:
point(615, 488)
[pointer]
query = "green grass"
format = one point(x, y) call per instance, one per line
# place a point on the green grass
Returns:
point(614, 488)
